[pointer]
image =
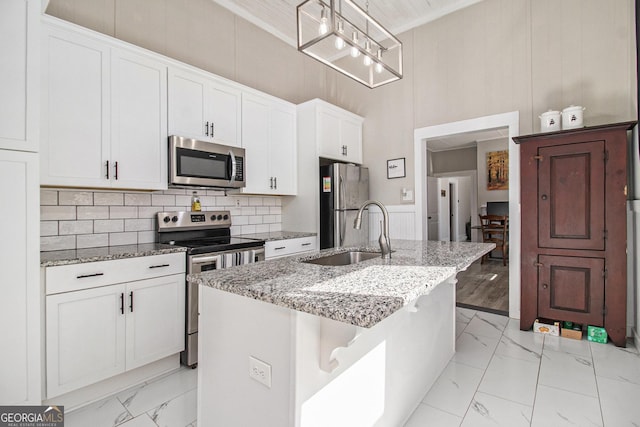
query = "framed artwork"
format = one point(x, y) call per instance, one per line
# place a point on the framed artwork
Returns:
point(498, 170)
point(395, 168)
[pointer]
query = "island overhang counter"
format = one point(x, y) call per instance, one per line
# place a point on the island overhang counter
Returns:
point(290, 343)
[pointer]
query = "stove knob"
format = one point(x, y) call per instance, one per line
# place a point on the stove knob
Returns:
point(213, 217)
point(226, 217)
point(167, 219)
point(174, 219)
point(220, 218)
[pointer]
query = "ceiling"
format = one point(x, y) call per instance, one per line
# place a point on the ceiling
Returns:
point(278, 17)
point(465, 140)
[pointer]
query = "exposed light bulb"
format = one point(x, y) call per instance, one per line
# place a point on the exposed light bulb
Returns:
point(367, 46)
point(379, 67)
point(324, 27)
point(339, 43)
point(354, 50)
point(367, 61)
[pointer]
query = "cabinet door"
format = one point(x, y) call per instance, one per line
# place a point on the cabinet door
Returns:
point(85, 337)
point(329, 145)
point(351, 139)
point(139, 122)
point(19, 23)
point(187, 95)
point(75, 122)
point(571, 182)
point(19, 288)
point(223, 112)
point(571, 289)
point(282, 149)
point(155, 319)
point(255, 136)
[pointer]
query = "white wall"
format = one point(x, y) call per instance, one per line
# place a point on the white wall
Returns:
point(485, 195)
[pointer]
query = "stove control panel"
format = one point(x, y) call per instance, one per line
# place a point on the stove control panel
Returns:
point(169, 221)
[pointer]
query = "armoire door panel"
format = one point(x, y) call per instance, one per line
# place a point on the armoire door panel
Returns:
point(572, 289)
point(570, 193)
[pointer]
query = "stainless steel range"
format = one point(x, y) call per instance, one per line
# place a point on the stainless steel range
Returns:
point(207, 237)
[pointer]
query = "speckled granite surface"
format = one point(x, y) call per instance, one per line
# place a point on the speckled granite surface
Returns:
point(77, 256)
point(361, 294)
point(277, 235)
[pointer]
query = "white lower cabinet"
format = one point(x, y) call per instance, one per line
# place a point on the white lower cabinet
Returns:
point(96, 333)
point(279, 248)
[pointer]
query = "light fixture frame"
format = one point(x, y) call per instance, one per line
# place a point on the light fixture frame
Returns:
point(335, 16)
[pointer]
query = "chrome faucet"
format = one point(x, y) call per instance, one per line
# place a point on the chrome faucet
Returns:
point(385, 246)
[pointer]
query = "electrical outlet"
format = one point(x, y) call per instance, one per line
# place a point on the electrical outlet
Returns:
point(260, 371)
point(237, 203)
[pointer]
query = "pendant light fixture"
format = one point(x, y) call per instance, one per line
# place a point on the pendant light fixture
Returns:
point(325, 27)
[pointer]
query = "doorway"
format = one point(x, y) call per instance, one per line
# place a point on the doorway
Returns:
point(509, 121)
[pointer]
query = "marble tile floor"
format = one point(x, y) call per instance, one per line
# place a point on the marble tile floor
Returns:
point(499, 376)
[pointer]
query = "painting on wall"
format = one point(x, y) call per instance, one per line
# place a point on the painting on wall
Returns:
point(498, 170)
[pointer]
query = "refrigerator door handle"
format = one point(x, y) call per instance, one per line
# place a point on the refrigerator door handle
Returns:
point(343, 224)
point(341, 194)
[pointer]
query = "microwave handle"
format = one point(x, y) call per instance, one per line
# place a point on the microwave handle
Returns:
point(233, 166)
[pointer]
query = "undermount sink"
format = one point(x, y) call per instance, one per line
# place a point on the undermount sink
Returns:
point(344, 258)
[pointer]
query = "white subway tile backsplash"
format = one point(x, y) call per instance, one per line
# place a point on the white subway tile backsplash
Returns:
point(144, 224)
point(48, 228)
point(163, 199)
point(57, 243)
point(84, 198)
point(108, 199)
point(137, 199)
point(75, 227)
point(146, 236)
point(93, 212)
point(73, 219)
point(122, 212)
point(116, 239)
point(108, 226)
point(92, 240)
point(57, 213)
point(48, 197)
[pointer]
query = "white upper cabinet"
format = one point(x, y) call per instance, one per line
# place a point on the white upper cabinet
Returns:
point(339, 133)
point(269, 138)
point(103, 114)
point(138, 114)
point(19, 84)
point(204, 108)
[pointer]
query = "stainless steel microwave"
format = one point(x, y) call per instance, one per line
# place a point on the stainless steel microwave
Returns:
point(205, 164)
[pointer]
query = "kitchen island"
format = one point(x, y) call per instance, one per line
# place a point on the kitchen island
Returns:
point(291, 343)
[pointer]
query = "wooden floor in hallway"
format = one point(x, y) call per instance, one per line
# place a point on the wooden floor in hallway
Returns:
point(484, 286)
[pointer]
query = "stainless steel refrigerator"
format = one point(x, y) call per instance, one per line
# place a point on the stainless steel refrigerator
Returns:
point(343, 189)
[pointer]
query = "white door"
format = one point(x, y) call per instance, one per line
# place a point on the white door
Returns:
point(444, 232)
point(20, 282)
point(139, 122)
point(223, 112)
point(454, 229)
point(85, 337)
point(329, 135)
point(155, 319)
point(187, 98)
point(433, 198)
point(19, 77)
point(255, 136)
point(75, 126)
point(282, 149)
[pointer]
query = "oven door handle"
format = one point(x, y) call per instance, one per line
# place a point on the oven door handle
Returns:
point(204, 259)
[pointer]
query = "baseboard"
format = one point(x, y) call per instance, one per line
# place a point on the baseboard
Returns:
point(485, 309)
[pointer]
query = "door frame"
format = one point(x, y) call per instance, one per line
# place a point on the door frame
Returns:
point(510, 120)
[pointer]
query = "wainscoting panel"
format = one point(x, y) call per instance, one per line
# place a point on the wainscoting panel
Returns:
point(401, 221)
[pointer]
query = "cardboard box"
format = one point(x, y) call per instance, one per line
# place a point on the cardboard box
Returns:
point(574, 334)
point(546, 326)
point(597, 334)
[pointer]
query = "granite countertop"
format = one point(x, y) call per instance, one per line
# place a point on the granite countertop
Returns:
point(77, 256)
point(277, 235)
point(361, 294)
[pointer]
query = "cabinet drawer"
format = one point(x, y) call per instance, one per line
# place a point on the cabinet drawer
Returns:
point(278, 248)
point(66, 278)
